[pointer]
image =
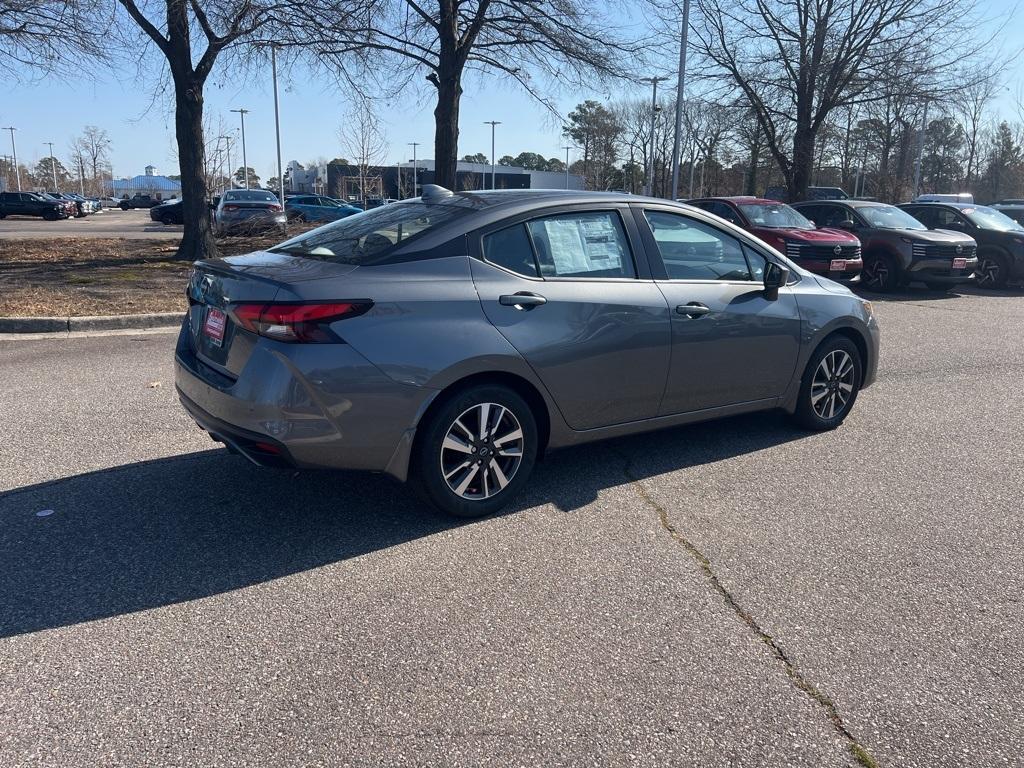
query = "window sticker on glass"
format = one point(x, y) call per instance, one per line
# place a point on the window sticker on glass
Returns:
point(583, 245)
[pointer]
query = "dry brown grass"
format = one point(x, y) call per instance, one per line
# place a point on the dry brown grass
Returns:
point(100, 276)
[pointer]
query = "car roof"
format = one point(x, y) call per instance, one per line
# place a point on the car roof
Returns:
point(944, 204)
point(847, 202)
point(740, 199)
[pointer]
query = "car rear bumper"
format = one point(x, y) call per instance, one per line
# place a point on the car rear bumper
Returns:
point(304, 405)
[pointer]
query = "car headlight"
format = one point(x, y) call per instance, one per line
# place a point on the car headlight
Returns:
point(868, 308)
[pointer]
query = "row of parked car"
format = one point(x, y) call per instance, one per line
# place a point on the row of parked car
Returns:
point(252, 209)
point(47, 205)
point(941, 243)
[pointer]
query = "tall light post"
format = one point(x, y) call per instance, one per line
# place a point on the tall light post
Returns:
point(245, 162)
point(567, 165)
point(680, 86)
point(14, 151)
point(492, 123)
point(277, 123)
point(53, 165)
point(920, 151)
point(414, 144)
point(649, 186)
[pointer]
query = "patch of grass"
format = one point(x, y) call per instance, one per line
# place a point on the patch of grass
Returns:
point(76, 279)
point(862, 756)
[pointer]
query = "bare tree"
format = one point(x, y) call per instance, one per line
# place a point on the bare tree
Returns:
point(174, 26)
point(537, 43)
point(970, 105)
point(39, 33)
point(798, 61)
point(362, 139)
point(93, 149)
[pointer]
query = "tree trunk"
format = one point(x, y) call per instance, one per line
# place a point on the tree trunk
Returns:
point(750, 187)
point(446, 126)
point(803, 163)
point(197, 241)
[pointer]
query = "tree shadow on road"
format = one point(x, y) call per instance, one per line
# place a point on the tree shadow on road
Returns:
point(160, 532)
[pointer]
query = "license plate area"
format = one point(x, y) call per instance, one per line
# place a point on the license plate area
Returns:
point(837, 265)
point(214, 325)
point(959, 263)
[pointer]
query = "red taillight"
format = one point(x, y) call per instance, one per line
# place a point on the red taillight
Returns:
point(230, 207)
point(275, 207)
point(297, 322)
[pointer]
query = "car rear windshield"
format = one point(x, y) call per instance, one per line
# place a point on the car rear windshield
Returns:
point(774, 216)
point(889, 217)
point(367, 238)
point(250, 194)
point(989, 218)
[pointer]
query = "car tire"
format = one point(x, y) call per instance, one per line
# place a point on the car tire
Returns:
point(51, 216)
point(993, 270)
point(880, 273)
point(821, 405)
point(467, 476)
point(166, 220)
point(123, 207)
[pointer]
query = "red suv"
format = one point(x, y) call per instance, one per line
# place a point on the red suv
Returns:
point(833, 253)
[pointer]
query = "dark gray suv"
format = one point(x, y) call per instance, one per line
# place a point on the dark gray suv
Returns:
point(897, 248)
point(452, 339)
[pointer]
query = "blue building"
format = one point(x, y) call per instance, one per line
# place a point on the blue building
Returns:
point(150, 183)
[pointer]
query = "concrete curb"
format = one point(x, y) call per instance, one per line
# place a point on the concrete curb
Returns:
point(94, 323)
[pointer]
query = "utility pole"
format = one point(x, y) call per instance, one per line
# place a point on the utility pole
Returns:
point(415, 183)
point(245, 162)
point(492, 123)
point(277, 127)
point(920, 151)
point(649, 186)
point(53, 165)
point(566, 166)
point(14, 151)
point(680, 85)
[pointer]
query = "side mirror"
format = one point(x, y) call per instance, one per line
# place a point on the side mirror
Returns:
point(775, 277)
point(847, 224)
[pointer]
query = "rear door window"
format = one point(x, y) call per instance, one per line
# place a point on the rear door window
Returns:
point(585, 245)
point(511, 248)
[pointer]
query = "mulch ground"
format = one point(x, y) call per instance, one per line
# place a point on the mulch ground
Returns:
point(94, 276)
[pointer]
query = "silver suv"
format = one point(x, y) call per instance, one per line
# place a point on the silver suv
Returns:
point(897, 248)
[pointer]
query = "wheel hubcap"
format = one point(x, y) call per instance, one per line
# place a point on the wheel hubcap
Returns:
point(832, 385)
point(482, 451)
point(877, 274)
point(988, 272)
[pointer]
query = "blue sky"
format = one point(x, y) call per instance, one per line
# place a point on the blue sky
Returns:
point(141, 128)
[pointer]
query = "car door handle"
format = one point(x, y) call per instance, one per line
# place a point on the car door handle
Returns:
point(522, 300)
point(694, 309)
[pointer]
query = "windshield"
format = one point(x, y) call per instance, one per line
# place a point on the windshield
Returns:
point(989, 218)
point(365, 238)
point(889, 217)
point(774, 216)
point(250, 194)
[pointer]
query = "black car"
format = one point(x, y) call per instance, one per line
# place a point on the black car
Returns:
point(1000, 238)
point(167, 213)
point(813, 193)
point(31, 204)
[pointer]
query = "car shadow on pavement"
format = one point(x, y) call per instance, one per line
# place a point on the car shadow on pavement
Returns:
point(159, 532)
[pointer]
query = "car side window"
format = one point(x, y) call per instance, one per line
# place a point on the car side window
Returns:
point(692, 250)
point(723, 211)
point(511, 248)
point(832, 216)
point(589, 244)
point(925, 215)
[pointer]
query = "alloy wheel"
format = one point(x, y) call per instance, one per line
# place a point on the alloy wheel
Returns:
point(832, 385)
point(988, 272)
point(482, 451)
point(876, 274)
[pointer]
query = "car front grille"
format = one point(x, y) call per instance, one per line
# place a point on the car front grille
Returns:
point(934, 251)
point(807, 251)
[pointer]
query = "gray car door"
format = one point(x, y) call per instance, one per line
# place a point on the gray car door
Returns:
point(564, 289)
point(730, 344)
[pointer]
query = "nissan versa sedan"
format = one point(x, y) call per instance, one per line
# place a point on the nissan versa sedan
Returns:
point(450, 340)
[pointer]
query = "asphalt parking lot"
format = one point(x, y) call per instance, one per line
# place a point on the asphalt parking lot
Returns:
point(739, 593)
point(112, 222)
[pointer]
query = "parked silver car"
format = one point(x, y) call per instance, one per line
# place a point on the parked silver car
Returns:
point(452, 339)
point(247, 211)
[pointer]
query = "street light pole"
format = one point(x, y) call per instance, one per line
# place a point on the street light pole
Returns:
point(649, 186)
point(492, 123)
point(277, 125)
point(245, 162)
point(14, 151)
point(567, 166)
point(415, 182)
point(680, 85)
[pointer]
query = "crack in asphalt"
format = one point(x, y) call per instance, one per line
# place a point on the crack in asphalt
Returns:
point(857, 750)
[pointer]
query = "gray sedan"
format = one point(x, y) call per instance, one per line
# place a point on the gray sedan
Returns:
point(450, 340)
point(246, 211)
